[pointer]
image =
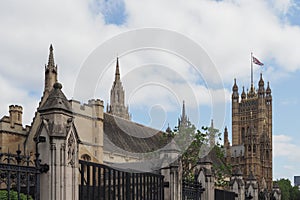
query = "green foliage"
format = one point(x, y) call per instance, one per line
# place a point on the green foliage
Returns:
point(288, 192)
point(200, 143)
point(295, 193)
point(13, 195)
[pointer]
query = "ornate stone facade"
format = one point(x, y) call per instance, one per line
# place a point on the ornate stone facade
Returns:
point(251, 148)
point(117, 97)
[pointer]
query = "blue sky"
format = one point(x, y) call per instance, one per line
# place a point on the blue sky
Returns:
point(226, 30)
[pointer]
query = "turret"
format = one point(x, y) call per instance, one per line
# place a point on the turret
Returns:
point(261, 89)
point(226, 140)
point(243, 96)
point(15, 115)
point(235, 93)
point(235, 114)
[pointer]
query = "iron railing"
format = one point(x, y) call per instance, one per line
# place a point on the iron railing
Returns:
point(191, 190)
point(18, 176)
point(102, 182)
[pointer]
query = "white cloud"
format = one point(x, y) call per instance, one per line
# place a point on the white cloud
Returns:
point(228, 30)
point(286, 146)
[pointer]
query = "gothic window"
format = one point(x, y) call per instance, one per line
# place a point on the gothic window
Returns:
point(267, 154)
point(254, 148)
point(249, 148)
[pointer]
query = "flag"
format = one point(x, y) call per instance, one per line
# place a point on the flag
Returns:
point(256, 61)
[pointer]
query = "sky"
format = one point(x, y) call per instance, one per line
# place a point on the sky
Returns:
point(169, 51)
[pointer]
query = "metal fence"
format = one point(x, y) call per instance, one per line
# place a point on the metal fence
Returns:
point(224, 195)
point(99, 181)
point(19, 176)
point(191, 190)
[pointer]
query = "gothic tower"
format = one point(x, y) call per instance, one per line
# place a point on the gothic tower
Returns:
point(117, 97)
point(183, 121)
point(251, 148)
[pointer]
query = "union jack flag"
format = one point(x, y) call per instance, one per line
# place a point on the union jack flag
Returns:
point(256, 61)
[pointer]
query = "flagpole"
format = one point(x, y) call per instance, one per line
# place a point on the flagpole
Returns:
point(251, 69)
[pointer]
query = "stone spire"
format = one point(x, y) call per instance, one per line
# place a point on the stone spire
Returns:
point(261, 87)
point(51, 57)
point(235, 92)
point(212, 134)
point(226, 140)
point(117, 73)
point(50, 72)
point(183, 121)
point(117, 97)
point(243, 94)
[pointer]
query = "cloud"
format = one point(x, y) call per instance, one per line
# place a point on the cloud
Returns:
point(286, 146)
point(228, 31)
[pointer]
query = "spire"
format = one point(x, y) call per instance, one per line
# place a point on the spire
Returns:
point(183, 109)
point(51, 57)
point(235, 87)
point(183, 121)
point(117, 97)
point(50, 72)
point(235, 93)
point(117, 74)
point(169, 130)
point(226, 141)
point(243, 93)
point(261, 82)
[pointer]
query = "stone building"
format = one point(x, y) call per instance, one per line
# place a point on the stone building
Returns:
point(251, 148)
point(117, 97)
point(72, 131)
point(108, 137)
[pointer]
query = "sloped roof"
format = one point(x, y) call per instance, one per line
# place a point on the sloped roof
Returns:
point(56, 100)
point(132, 137)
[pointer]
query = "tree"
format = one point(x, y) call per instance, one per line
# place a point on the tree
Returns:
point(288, 192)
point(295, 193)
point(200, 143)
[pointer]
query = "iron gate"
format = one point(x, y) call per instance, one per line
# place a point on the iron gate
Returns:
point(191, 190)
point(99, 181)
point(19, 177)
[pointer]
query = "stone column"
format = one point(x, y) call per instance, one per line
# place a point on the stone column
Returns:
point(61, 154)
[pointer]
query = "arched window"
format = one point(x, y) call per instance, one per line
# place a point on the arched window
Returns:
point(267, 154)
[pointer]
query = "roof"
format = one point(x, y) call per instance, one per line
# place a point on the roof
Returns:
point(56, 100)
point(237, 172)
point(131, 137)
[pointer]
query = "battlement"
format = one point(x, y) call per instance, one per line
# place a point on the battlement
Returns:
point(15, 115)
point(92, 109)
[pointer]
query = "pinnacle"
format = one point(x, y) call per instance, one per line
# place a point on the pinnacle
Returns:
point(117, 74)
point(51, 57)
